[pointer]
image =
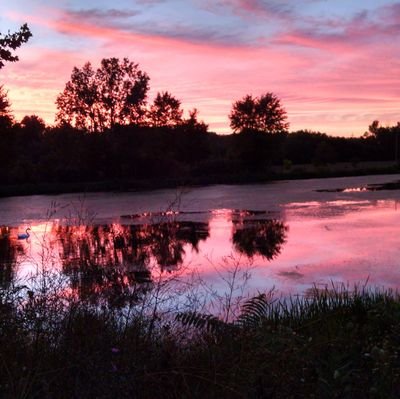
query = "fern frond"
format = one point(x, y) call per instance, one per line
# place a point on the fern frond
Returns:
point(255, 310)
point(205, 322)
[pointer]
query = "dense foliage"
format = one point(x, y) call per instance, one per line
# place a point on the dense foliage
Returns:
point(10, 42)
point(264, 113)
point(185, 153)
point(115, 95)
point(335, 344)
point(96, 100)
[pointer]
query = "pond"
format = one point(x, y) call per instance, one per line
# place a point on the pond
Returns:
point(289, 236)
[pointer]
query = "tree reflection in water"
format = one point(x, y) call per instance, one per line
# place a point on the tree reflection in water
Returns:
point(259, 237)
point(165, 242)
point(9, 251)
point(114, 261)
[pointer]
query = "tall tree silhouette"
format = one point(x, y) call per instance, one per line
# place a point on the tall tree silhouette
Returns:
point(264, 113)
point(10, 42)
point(6, 118)
point(96, 100)
point(166, 110)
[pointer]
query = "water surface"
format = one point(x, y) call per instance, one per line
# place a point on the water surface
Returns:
point(290, 235)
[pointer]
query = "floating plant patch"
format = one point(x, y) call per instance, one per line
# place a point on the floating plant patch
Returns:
point(369, 187)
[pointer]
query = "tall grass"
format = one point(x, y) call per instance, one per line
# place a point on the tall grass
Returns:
point(334, 343)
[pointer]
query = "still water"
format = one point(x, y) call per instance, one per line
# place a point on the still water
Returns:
point(288, 235)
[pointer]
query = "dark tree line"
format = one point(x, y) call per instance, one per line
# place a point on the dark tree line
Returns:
point(107, 132)
point(35, 153)
point(116, 95)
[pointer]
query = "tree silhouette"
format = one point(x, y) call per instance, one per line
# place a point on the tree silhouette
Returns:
point(6, 118)
point(34, 123)
point(192, 123)
point(165, 111)
point(373, 129)
point(386, 139)
point(32, 127)
point(97, 100)
point(263, 113)
point(10, 42)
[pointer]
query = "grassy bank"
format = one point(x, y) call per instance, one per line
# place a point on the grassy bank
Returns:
point(306, 171)
point(333, 344)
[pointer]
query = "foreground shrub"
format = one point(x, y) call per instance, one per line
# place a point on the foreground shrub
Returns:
point(332, 344)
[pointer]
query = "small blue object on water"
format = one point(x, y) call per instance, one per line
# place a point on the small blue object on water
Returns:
point(25, 235)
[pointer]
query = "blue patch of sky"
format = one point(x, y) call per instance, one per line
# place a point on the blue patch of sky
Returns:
point(42, 36)
point(345, 9)
point(194, 20)
point(180, 19)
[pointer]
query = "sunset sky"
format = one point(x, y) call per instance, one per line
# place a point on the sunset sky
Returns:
point(335, 64)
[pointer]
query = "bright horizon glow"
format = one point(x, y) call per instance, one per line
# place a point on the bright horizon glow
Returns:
point(334, 65)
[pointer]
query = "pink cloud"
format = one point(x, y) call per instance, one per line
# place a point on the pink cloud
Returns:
point(257, 7)
point(321, 78)
point(250, 9)
point(299, 39)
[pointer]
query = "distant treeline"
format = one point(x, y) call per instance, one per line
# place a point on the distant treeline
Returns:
point(33, 153)
point(108, 135)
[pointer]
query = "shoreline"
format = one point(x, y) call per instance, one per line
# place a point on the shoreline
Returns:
point(295, 172)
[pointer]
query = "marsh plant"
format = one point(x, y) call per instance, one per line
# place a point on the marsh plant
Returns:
point(171, 334)
point(335, 343)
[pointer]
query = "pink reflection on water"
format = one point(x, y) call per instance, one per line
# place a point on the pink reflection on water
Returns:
point(219, 243)
point(352, 247)
point(338, 241)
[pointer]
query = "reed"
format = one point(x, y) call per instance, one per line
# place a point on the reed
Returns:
point(336, 342)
